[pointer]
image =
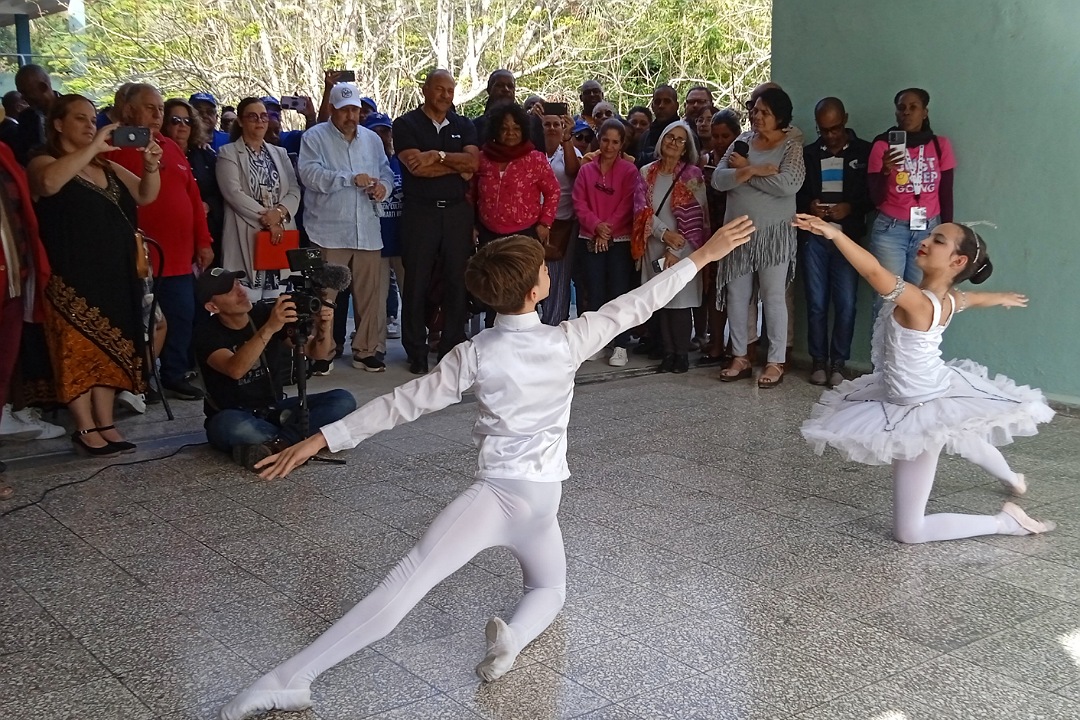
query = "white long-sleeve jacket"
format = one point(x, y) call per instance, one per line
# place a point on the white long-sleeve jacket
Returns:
point(522, 373)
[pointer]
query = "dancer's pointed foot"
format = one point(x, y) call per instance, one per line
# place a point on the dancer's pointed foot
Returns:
point(1019, 522)
point(264, 696)
point(1018, 487)
point(501, 653)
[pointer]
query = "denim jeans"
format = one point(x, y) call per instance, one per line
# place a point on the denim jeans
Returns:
point(176, 297)
point(608, 276)
point(829, 276)
point(228, 428)
point(894, 244)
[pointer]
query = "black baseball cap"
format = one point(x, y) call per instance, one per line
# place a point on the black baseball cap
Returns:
point(216, 281)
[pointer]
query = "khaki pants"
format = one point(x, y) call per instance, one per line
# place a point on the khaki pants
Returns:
point(388, 264)
point(368, 306)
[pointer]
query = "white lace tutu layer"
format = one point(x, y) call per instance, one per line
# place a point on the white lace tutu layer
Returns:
point(857, 418)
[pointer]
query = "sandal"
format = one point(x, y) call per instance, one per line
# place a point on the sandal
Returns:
point(123, 446)
point(739, 369)
point(772, 376)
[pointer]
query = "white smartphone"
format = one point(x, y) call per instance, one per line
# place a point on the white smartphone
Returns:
point(897, 142)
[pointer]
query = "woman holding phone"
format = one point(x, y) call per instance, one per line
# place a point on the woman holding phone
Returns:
point(86, 209)
point(910, 173)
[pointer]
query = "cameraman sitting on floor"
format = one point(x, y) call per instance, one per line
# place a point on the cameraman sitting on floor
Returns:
point(246, 360)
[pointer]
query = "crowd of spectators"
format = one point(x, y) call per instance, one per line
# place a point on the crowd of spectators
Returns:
point(404, 202)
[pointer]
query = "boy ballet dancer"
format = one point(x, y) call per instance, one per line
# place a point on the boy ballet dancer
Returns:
point(522, 373)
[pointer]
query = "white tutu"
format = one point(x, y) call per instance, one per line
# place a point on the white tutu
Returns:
point(857, 418)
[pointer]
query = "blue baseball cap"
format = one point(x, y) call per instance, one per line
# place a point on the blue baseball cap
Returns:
point(377, 119)
point(370, 103)
point(202, 97)
point(270, 100)
point(581, 126)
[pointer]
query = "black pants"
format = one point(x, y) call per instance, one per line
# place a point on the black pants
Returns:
point(675, 329)
point(434, 237)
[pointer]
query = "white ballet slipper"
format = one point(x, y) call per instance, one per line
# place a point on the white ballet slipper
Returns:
point(1019, 487)
point(501, 653)
point(253, 702)
point(1033, 526)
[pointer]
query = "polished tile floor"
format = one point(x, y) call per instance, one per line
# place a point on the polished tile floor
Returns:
point(718, 569)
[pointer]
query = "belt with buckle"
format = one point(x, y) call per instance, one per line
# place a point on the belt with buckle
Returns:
point(435, 203)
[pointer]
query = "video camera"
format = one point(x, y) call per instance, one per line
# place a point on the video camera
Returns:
point(307, 292)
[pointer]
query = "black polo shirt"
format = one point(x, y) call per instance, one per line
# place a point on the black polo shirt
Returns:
point(416, 131)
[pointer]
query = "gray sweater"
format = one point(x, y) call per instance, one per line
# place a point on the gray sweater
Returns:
point(770, 203)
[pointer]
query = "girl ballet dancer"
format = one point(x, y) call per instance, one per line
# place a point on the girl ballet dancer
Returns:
point(914, 404)
point(522, 373)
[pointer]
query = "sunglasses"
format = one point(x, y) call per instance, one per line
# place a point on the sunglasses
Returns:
point(256, 117)
point(177, 120)
point(583, 136)
point(605, 189)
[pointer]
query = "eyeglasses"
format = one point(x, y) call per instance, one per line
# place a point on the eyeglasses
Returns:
point(256, 117)
point(605, 189)
point(177, 120)
point(674, 140)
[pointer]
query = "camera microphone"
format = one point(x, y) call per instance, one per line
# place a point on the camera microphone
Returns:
point(332, 277)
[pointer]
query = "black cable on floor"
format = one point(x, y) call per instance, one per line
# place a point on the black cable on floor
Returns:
point(95, 474)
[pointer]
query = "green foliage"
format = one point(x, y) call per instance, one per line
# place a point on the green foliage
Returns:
point(239, 47)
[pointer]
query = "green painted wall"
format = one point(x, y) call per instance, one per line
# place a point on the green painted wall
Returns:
point(1004, 83)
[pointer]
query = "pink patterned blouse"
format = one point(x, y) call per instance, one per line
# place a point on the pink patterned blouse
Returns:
point(525, 193)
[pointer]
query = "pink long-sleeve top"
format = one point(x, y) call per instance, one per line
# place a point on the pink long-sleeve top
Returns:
point(523, 194)
point(605, 197)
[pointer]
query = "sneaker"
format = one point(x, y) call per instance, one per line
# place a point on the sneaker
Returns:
point(618, 357)
point(818, 376)
point(321, 368)
point(133, 402)
point(393, 329)
point(369, 363)
point(13, 428)
point(32, 416)
point(183, 391)
point(190, 375)
point(836, 375)
point(247, 455)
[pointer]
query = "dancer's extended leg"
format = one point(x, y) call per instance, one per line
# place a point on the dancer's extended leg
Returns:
point(484, 516)
point(912, 482)
point(990, 459)
point(543, 566)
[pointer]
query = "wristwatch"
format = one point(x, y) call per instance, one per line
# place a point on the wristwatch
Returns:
point(442, 157)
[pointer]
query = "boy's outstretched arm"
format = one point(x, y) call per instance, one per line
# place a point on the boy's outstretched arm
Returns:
point(594, 330)
point(440, 388)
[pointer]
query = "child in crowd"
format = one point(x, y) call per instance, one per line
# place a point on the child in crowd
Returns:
point(522, 373)
point(915, 404)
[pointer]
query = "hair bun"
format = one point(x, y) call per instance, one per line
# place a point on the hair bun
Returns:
point(983, 273)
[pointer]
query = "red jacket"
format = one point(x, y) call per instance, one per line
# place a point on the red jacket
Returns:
point(35, 250)
point(525, 194)
point(176, 219)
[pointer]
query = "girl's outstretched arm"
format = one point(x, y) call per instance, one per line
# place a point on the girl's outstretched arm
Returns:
point(965, 300)
point(911, 299)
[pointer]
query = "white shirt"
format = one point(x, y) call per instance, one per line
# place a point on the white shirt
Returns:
point(522, 373)
point(337, 214)
point(565, 210)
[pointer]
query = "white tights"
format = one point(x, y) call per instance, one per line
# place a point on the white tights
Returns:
point(516, 514)
point(912, 482)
